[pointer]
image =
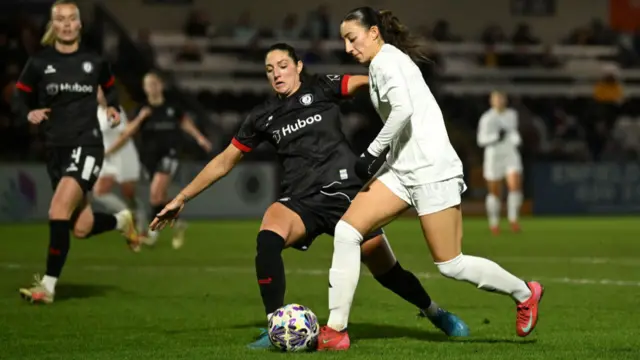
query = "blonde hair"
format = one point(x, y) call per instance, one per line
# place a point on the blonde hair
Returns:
point(49, 38)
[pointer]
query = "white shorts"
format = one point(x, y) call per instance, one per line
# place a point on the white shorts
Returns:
point(497, 166)
point(124, 165)
point(427, 198)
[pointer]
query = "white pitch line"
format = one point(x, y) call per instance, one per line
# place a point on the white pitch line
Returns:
point(310, 272)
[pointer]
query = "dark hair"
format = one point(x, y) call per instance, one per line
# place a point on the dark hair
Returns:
point(292, 55)
point(392, 31)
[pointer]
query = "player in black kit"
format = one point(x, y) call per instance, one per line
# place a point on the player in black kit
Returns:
point(159, 121)
point(57, 90)
point(303, 123)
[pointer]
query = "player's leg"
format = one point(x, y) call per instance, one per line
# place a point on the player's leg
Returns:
point(281, 227)
point(440, 214)
point(378, 256)
point(373, 207)
point(102, 191)
point(158, 198)
point(514, 196)
point(493, 175)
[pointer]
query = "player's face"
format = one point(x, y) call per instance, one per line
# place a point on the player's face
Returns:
point(498, 101)
point(65, 20)
point(359, 42)
point(152, 85)
point(283, 72)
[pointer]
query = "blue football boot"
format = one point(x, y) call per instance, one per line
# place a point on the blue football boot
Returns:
point(262, 341)
point(449, 323)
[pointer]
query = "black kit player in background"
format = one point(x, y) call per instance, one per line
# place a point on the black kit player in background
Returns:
point(159, 121)
point(57, 91)
point(303, 123)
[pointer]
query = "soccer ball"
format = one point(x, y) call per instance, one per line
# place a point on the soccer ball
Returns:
point(294, 328)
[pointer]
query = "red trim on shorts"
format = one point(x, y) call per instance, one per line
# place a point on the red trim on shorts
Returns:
point(344, 85)
point(109, 83)
point(242, 147)
point(23, 87)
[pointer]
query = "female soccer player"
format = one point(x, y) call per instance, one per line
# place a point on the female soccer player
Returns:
point(122, 167)
point(422, 170)
point(303, 123)
point(159, 121)
point(498, 135)
point(62, 80)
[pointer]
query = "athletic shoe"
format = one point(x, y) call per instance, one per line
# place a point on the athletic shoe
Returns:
point(332, 340)
point(527, 315)
point(515, 227)
point(37, 294)
point(129, 231)
point(449, 323)
point(262, 341)
point(179, 229)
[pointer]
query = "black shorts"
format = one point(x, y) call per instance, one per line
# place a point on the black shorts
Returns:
point(320, 212)
point(163, 161)
point(83, 163)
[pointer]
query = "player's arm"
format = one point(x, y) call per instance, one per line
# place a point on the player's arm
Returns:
point(131, 129)
point(514, 133)
point(187, 125)
point(340, 86)
point(486, 137)
point(392, 87)
point(215, 170)
point(24, 95)
point(107, 82)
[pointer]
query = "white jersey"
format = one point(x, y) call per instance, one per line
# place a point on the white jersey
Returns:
point(124, 164)
point(414, 129)
point(109, 134)
point(491, 122)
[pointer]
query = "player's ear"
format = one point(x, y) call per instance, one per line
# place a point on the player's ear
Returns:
point(299, 67)
point(374, 32)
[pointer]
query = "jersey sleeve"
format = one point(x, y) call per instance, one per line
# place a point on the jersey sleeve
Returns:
point(485, 134)
point(247, 138)
point(512, 128)
point(392, 87)
point(107, 82)
point(336, 86)
point(24, 94)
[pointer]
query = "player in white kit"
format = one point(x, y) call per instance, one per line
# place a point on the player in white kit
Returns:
point(498, 135)
point(422, 171)
point(122, 167)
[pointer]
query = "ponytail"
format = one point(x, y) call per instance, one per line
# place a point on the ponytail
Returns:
point(393, 32)
point(49, 37)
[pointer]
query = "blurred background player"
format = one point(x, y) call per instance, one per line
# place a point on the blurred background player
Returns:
point(62, 80)
point(304, 124)
point(422, 171)
point(120, 167)
point(159, 121)
point(498, 135)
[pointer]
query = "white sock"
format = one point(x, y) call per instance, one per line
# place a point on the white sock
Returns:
point(344, 274)
point(492, 203)
point(121, 220)
point(49, 283)
point(514, 202)
point(486, 275)
point(112, 202)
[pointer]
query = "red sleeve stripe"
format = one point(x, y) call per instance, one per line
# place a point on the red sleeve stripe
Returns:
point(109, 83)
point(242, 147)
point(23, 87)
point(344, 85)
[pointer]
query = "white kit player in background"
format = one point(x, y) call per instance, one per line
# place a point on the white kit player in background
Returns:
point(122, 168)
point(422, 172)
point(498, 135)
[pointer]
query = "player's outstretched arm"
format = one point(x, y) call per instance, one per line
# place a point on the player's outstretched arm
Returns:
point(187, 125)
point(215, 170)
point(131, 129)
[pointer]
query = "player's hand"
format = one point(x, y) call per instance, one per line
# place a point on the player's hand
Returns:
point(169, 214)
point(364, 166)
point(38, 116)
point(145, 112)
point(205, 144)
point(114, 116)
point(502, 134)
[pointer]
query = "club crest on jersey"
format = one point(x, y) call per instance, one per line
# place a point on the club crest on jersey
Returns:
point(87, 67)
point(276, 136)
point(306, 99)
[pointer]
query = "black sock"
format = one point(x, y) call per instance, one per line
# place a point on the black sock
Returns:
point(59, 242)
point(406, 285)
point(102, 223)
point(270, 270)
point(155, 209)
